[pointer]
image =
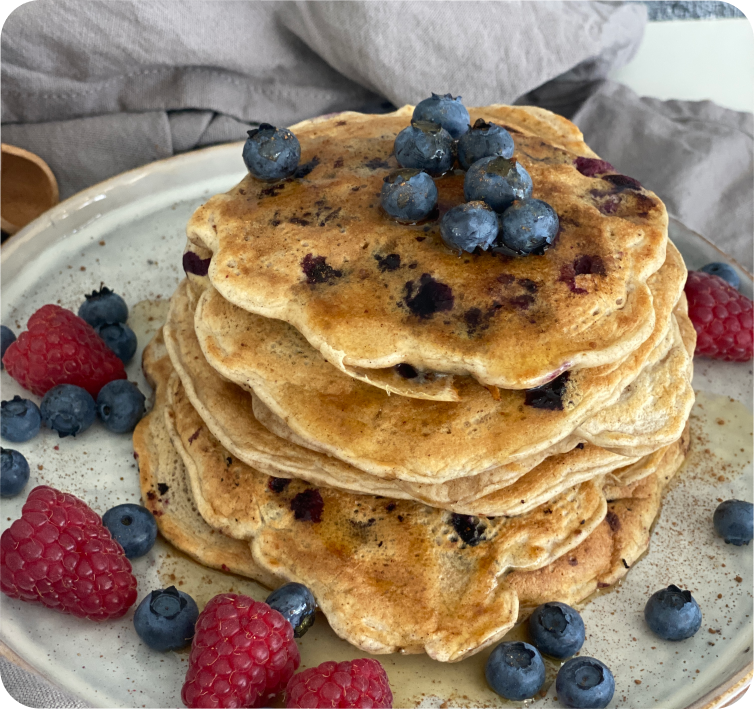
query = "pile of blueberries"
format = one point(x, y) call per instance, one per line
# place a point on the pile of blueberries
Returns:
point(499, 211)
point(69, 409)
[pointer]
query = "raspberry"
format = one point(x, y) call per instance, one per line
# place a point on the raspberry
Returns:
point(243, 653)
point(60, 555)
point(60, 348)
point(722, 318)
point(359, 683)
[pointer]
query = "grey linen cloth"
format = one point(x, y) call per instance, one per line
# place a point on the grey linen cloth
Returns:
point(96, 88)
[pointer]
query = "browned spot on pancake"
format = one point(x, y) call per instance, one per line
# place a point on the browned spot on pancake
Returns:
point(151, 495)
point(377, 163)
point(431, 297)
point(390, 507)
point(622, 182)
point(308, 505)
point(613, 520)
point(162, 488)
point(341, 123)
point(317, 270)
point(278, 484)
point(522, 302)
point(272, 190)
point(549, 396)
point(299, 221)
point(338, 163)
point(391, 262)
point(506, 279)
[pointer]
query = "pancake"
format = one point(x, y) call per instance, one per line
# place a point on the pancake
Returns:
point(594, 563)
point(317, 252)
point(422, 579)
point(165, 486)
point(398, 437)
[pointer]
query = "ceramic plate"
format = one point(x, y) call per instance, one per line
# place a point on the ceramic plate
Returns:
point(129, 233)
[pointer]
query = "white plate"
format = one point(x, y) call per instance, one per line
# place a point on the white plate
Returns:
point(128, 232)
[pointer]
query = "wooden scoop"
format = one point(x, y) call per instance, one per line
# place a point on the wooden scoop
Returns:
point(27, 188)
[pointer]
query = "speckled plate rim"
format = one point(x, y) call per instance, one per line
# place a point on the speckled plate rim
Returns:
point(82, 203)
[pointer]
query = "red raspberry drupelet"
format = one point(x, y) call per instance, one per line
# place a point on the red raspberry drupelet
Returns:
point(60, 555)
point(60, 348)
point(722, 318)
point(242, 654)
point(358, 683)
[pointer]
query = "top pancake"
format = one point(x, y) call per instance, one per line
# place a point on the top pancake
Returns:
point(318, 252)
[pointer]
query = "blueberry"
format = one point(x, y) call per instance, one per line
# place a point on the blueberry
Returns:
point(734, 521)
point(515, 671)
point(20, 420)
point(585, 683)
point(482, 141)
point(68, 409)
point(297, 605)
point(14, 473)
point(497, 181)
point(120, 405)
point(528, 226)
point(408, 195)
point(120, 339)
point(466, 226)
point(166, 619)
point(449, 112)
point(673, 614)
point(271, 153)
point(103, 306)
point(557, 630)
point(7, 338)
point(133, 527)
point(726, 272)
point(425, 146)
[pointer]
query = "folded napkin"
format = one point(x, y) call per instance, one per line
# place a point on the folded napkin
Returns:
point(96, 88)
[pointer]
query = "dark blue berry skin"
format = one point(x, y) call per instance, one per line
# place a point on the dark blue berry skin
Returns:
point(296, 604)
point(14, 472)
point(166, 619)
point(449, 112)
point(408, 195)
point(484, 140)
point(528, 226)
point(120, 339)
point(584, 683)
point(497, 181)
point(734, 521)
point(120, 406)
point(68, 409)
point(726, 272)
point(673, 614)
point(271, 153)
point(7, 338)
point(466, 226)
point(133, 527)
point(20, 420)
point(103, 306)
point(556, 630)
point(425, 146)
point(515, 671)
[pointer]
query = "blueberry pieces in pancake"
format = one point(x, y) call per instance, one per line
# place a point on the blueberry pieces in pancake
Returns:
point(367, 292)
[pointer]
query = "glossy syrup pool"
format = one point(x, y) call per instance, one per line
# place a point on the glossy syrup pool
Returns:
point(132, 236)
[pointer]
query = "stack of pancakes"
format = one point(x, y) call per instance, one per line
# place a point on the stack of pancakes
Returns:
point(434, 444)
